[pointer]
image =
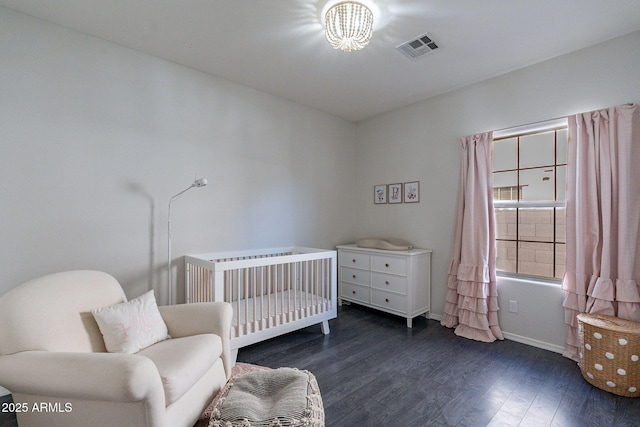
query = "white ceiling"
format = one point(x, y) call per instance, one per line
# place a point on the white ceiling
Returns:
point(278, 46)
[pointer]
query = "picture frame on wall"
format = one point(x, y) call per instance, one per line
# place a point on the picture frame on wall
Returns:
point(412, 192)
point(380, 194)
point(394, 193)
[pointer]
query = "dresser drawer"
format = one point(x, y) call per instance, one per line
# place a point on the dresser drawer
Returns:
point(387, 282)
point(389, 301)
point(353, 275)
point(355, 292)
point(391, 265)
point(355, 260)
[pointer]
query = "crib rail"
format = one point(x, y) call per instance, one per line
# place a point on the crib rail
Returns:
point(268, 289)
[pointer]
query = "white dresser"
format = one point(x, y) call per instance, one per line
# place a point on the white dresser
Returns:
point(398, 282)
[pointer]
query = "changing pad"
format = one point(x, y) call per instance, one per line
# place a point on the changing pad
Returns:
point(390, 244)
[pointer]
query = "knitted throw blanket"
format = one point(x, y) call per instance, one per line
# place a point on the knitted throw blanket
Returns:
point(284, 397)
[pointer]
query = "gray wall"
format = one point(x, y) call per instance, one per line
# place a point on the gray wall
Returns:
point(96, 138)
point(420, 142)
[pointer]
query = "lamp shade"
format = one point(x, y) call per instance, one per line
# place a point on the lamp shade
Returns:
point(348, 25)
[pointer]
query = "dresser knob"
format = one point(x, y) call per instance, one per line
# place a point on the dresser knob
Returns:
point(386, 265)
point(353, 260)
point(354, 276)
point(386, 299)
point(354, 292)
point(386, 282)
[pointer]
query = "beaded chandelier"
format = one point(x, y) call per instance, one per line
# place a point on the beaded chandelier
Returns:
point(348, 25)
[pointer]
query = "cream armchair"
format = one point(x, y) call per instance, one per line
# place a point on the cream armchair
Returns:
point(54, 361)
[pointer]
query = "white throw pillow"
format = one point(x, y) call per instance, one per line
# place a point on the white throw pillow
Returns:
point(130, 326)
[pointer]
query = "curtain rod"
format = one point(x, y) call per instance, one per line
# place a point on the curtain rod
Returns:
point(534, 126)
point(542, 124)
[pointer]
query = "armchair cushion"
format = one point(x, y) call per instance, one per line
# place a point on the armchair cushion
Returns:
point(130, 326)
point(201, 318)
point(181, 362)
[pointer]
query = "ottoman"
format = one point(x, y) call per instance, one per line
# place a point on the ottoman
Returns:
point(283, 397)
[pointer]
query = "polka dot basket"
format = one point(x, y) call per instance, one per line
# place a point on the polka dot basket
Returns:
point(610, 353)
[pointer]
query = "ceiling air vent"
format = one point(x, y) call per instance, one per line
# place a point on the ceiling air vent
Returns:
point(418, 47)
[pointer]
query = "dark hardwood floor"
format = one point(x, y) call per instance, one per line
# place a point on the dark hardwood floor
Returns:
point(373, 371)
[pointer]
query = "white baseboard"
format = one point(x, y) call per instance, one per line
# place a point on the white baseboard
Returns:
point(534, 343)
point(518, 338)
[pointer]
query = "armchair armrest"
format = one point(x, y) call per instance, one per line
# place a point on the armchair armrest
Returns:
point(201, 318)
point(112, 377)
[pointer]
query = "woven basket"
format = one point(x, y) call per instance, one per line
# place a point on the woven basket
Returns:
point(610, 353)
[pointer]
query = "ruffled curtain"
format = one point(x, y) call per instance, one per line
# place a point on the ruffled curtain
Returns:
point(472, 298)
point(603, 218)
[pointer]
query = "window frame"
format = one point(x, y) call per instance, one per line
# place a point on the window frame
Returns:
point(519, 132)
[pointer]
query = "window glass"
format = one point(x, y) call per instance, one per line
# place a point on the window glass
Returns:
point(561, 148)
point(505, 154)
point(561, 227)
point(506, 256)
point(538, 184)
point(537, 149)
point(561, 239)
point(561, 255)
point(506, 224)
point(561, 185)
point(505, 179)
point(536, 224)
point(536, 259)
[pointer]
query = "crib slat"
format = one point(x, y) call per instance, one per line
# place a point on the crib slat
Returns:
point(290, 292)
point(306, 287)
point(245, 298)
point(266, 297)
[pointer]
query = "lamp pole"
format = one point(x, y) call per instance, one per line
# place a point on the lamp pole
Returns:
point(201, 182)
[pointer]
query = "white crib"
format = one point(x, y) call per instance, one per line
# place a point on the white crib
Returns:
point(272, 291)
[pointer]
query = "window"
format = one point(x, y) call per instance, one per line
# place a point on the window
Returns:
point(529, 170)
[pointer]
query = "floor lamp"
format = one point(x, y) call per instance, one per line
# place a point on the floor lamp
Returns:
point(201, 182)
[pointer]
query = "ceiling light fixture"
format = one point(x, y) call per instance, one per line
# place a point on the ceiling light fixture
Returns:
point(348, 25)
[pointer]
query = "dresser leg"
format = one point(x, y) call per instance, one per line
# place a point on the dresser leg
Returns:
point(409, 322)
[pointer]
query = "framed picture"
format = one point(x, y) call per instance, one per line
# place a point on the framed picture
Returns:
point(412, 192)
point(380, 194)
point(394, 194)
